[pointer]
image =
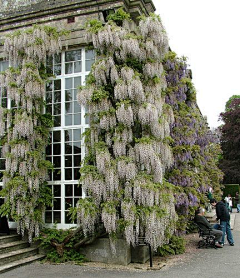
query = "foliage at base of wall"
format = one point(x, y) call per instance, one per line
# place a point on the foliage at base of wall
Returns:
point(176, 246)
point(59, 236)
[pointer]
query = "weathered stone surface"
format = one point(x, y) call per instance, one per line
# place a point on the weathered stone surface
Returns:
point(140, 254)
point(100, 251)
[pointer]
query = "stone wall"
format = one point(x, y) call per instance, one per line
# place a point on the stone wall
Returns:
point(18, 14)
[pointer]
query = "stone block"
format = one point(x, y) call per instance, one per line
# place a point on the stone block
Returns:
point(100, 251)
point(140, 254)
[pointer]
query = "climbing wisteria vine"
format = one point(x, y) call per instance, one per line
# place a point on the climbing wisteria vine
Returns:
point(24, 127)
point(127, 144)
point(195, 152)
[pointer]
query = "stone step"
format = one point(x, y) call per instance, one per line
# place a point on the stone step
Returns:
point(17, 255)
point(12, 246)
point(20, 262)
point(9, 238)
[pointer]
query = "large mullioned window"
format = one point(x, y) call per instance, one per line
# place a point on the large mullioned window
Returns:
point(66, 149)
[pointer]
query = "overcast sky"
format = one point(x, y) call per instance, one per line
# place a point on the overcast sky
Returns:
point(208, 33)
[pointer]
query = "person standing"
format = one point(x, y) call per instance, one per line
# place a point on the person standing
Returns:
point(237, 201)
point(224, 217)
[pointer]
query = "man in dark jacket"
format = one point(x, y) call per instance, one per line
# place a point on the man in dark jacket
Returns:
point(224, 217)
point(203, 223)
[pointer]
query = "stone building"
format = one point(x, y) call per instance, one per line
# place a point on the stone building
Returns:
point(66, 150)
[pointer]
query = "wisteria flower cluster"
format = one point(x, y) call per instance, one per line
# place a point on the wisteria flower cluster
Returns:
point(124, 174)
point(23, 128)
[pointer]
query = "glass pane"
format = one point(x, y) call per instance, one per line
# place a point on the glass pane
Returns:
point(77, 119)
point(56, 149)
point(49, 97)
point(90, 54)
point(73, 55)
point(57, 191)
point(77, 147)
point(68, 83)
point(68, 68)
point(57, 161)
point(57, 174)
point(57, 121)
point(68, 135)
point(67, 218)
point(68, 190)
point(56, 136)
point(68, 174)
point(75, 201)
point(68, 203)
point(68, 161)
point(57, 69)
point(57, 109)
point(48, 217)
point(57, 58)
point(57, 204)
point(89, 64)
point(57, 85)
point(76, 173)
point(49, 150)
point(77, 66)
point(77, 190)
point(2, 164)
point(76, 134)
point(68, 148)
point(68, 107)
point(49, 109)
point(57, 96)
point(77, 107)
point(68, 95)
point(57, 217)
point(68, 120)
point(77, 160)
point(77, 81)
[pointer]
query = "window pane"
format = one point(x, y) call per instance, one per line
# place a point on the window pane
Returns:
point(48, 217)
point(77, 81)
point(76, 134)
point(57, 204)
point(68, 68)
point(89, 65)
point(76, 173)
point(68, 120)
point(57, 161)
point(90, 54)
point(67, 218)
point(77, 160)
point(68, 83)
point(77, 190)
point(57, 217)
point(68, 190)
point(57, 109)
point(57, 85)
point(56, 149)
point(68, 148)
point(77, 119)
point(57, 190)
point(77, 107)
point(68, 161)
point(68, 135)
point(68, 95)
point(77, 147)
point(73, 55)
point(68, 107)
point(56, 136)
point(49, 150)
point(77, 66)
point(68, 174)
point(57, 121)
point(56, 174)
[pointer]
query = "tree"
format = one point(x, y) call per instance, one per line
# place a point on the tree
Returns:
point(230, 140)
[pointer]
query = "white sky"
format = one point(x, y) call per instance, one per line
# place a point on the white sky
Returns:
point(208, 33)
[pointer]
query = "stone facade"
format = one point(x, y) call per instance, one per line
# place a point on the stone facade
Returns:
point(64, 14)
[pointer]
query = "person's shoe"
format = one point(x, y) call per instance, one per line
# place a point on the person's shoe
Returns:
point(231, 244)
point(218, 245)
